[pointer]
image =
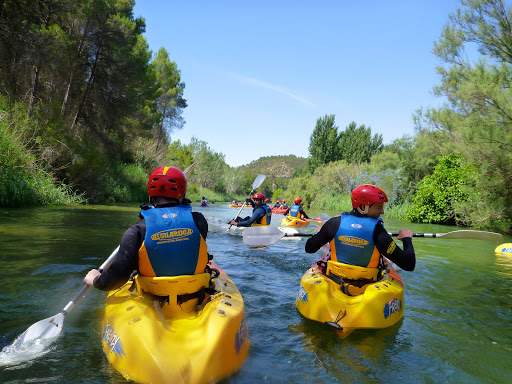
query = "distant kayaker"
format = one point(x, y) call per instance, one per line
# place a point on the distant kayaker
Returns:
point(234, 202)
point(261, 214)
point(204, 202)
point(277, 205)
point(283, 204)
point(169, 240)
point(296, 210)
point(359, 238)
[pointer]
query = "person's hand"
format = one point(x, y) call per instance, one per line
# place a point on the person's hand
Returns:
point(233, 222)
point(404, 232)
point(89, 278)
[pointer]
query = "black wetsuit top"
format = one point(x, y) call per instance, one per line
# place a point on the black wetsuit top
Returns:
point(127, 259)
point(405, 259)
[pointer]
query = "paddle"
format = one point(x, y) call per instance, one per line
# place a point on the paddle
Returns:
point(52, 326)
point(462, 234)
point(257, 182)
point(265, 236)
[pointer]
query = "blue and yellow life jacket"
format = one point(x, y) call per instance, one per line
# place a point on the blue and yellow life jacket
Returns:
point(265, 220)
point(353, 243)
point(295, 211)
point(172, 245)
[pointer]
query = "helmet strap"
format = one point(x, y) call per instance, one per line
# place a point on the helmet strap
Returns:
point(363, 211)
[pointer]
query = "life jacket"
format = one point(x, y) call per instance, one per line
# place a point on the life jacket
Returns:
point(284, 206)
point(295, 211)
point(353, 243)
point(204, 203)
point(180, 294)
point(172, 244)
point(353, 279)
point(265, 220)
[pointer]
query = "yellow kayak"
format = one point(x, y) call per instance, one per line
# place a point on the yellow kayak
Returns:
point(183, 340)
point(379, 306)
point(235, 205)
point(294, 222)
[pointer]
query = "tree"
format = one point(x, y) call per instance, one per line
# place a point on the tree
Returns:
point(323, 142)
point(356, 144)
point(477, 120)
point(170, 101)
point(437, 194)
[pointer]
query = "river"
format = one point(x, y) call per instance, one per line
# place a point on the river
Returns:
point(457, 325)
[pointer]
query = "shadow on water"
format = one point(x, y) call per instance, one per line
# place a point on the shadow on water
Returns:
point(457, 325)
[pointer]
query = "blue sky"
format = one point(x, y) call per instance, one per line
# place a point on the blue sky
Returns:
point(259, 74)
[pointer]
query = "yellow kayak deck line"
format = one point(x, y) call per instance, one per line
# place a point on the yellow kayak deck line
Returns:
point(380, 306)
point(202, 346)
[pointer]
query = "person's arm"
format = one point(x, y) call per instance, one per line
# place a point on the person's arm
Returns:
point(324, 236)
point(256, 215)
point(126, 261)
point(301, 210)
point(287, 211)
point(201, 223)
point(406, 258)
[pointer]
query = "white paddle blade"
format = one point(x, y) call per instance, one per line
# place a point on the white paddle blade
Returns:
point(262, 236)
point(473, 235)
point(257, 181)
point(44, 329)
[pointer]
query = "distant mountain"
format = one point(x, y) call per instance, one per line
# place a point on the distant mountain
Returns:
point(276, 166)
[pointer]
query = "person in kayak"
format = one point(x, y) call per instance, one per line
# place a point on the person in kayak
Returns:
point(169, 240)
point(261, 213)
point(283, 204)
point(359, 238)
point(296, 210)
point(204, 202)
point(276, 205)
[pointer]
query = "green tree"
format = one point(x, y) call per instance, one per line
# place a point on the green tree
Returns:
point(323, 142)
point(170, 101)
point(434, 201)
point(356, 144)
point(477, 119)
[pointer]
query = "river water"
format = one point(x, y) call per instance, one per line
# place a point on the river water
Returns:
point(457, 325)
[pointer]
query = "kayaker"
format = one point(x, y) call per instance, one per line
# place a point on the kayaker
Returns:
point(204, 202)
point(261, 214)
point(283, 204)
point(234, 202)
point(359, 238)
point(277, 205)
point(296, 210)
point(170, 216)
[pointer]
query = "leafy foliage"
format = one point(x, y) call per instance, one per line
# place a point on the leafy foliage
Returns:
point(434, 201)
point(477, 120)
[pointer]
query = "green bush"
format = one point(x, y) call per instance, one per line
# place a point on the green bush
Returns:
point(436, 197)
point(23, 178)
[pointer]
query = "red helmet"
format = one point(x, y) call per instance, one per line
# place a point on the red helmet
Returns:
point(168, 182)
point(367, 194)
point(297, 200)
point(258, 196)
point(277, 201)
point(283, 201)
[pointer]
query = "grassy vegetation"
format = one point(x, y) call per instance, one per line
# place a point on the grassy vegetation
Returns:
point(23, 176)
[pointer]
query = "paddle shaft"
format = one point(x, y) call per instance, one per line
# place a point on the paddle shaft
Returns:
point(85, 288)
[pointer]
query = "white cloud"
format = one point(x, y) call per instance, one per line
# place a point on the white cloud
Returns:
point(275, 88)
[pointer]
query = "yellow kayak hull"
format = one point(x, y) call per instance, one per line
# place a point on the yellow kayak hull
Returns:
point(293, 222)
point(380, 306)
point(202, 346)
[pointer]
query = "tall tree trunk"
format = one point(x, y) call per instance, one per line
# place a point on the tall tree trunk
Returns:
point(34, 91)
point(87, 88)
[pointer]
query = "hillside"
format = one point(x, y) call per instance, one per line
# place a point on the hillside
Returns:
point(277, 166)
